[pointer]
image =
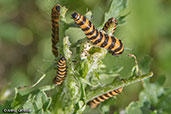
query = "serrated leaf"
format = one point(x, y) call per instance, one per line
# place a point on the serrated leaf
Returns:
point(19, 101)
point(154, 99)
point(66, 46)
point(39, 100)
point(84, 66)
point(29, 105)
point(145, 64)
point(151, 92)
point(138, 108)
point(89, 15)
point(133, 108)
point(36, 101)
point(116, 10)
point(165, 102)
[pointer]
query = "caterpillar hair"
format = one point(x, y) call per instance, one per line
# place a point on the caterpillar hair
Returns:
point(55, 28)
point(61, 71)
point(96, 101)
point(113, 44)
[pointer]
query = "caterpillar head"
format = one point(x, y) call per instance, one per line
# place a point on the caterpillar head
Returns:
point(74, 15)
point(62, 57)
point(57, 8)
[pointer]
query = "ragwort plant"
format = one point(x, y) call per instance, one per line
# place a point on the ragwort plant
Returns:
point(88, 78)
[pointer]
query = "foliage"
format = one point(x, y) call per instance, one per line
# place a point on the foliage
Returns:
point(154, 99)
point(88, 77)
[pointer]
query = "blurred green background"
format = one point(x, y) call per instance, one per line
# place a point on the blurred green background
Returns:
point(25, 39)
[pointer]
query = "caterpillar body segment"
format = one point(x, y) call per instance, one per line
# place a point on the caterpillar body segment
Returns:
point(111, 23)
point(55, 28)
point(113, 44)
point(96, 101)
point(61, 71)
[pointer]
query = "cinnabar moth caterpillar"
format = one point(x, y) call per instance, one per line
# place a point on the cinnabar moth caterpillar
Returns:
point(113, 44)
point(55, 28)
point(61, 71)
point(112, 22)
point(96, 101)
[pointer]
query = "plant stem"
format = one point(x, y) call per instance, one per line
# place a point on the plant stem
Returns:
point(99, 91)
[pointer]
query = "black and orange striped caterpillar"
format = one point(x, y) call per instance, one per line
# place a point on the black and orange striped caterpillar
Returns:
point(96, 101)
point(55, 28)
point(61, 71)
point(112, 22)
point(113, 44)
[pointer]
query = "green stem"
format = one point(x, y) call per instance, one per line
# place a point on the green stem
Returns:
point(40, 79)
point(99, 91)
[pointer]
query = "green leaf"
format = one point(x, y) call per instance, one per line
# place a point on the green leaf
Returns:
point(89, 15)
point(18, 101)
point(138, 108)
point(66, 46)
point(165, 102)
point(161, 79)
point(154, 99)
point(133, 108)
point(151, 93)
point(36, 101)
point(117, 9)
point(145, 64)
point(115, 85)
